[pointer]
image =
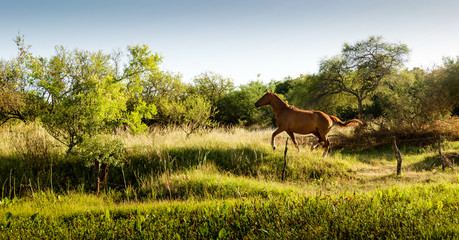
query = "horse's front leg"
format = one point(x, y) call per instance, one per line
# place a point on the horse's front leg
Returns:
point(274, 135)
point(292, 136)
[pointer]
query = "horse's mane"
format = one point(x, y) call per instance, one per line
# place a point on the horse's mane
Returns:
point(285, 102)
point(291, 106)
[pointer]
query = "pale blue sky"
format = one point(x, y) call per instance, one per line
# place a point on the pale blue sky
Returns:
point(238, 39)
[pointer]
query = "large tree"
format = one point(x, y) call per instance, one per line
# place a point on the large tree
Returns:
point(360, 67)
point(303, 94)
point(85, 94)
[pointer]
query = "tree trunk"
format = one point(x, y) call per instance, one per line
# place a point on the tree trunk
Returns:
point(69, 149)
point(103, 181)
point(398, 156)
point(360, 116)
point(97, 176)
point(99, 179)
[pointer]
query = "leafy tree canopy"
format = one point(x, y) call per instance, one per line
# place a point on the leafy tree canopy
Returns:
point(360, 68)
point(83, 93)
point(213, 86)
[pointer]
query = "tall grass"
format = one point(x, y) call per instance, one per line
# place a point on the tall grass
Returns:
point(27, 156)
point(31, 161)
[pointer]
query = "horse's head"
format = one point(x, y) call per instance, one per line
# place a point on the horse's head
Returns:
point(265, 100)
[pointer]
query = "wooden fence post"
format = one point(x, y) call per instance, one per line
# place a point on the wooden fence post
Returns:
point(440, 155)
point(285, 160)
point(398, 155)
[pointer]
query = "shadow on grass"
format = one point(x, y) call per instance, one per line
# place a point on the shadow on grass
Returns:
point(62, 173)
point(22, 176)
point(433, 162)
point(239, 161)
point(384, 178)
point(370, 155)
point(367, 156)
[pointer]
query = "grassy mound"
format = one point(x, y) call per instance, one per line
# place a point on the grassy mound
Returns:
point(207, 183)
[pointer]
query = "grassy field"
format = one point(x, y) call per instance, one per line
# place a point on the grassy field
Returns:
point(224, 184)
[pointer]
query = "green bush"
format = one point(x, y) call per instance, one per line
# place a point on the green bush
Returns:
point(101, 152)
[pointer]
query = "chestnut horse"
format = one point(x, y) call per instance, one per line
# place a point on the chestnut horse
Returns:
point(294, 120)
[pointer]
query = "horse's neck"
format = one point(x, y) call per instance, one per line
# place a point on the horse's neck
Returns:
point(278, 106)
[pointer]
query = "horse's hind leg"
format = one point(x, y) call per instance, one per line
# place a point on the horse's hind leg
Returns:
point(292, 136)
point(314, 146)
point(318, 142)
point(326, 146)
point(274, 135)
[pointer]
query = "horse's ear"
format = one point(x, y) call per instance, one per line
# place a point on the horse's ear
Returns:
point(271, 91)
point(267, 90)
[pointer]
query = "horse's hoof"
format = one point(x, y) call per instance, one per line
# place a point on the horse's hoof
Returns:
point(274, 148)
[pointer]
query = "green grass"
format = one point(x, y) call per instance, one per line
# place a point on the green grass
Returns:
point(225, 183)
point(207, 183)
point(429, 211)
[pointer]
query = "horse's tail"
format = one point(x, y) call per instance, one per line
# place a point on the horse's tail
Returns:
point(352, 122)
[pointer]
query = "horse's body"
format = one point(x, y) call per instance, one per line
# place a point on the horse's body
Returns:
point(293, 120)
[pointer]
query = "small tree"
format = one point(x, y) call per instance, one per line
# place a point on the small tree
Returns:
point(450, 81)
point(414, 98)
point(101, 152)
point(142, 66)
point(360, 68)
point(235, 108)
point(254, 90)
point(17, 99)
point(213, 86)
point(11, 99)
point(159, 89)
point(191, 114)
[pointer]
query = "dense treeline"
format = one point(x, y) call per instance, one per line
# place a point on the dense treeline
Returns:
point(77, 94)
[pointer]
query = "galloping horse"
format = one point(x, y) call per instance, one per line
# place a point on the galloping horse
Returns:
point(294, 120)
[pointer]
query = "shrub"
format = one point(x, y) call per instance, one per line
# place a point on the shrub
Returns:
point(102, 152)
